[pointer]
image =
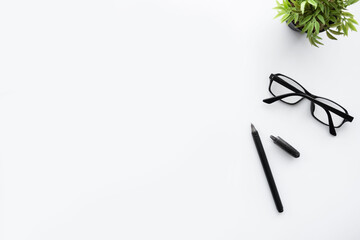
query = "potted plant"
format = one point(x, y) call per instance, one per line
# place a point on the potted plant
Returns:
point(315, 16)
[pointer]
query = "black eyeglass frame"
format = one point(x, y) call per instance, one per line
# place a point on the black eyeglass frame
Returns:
point(306, 94)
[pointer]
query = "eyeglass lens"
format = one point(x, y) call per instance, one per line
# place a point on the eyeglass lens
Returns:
point(284, 85)
point(320, 114)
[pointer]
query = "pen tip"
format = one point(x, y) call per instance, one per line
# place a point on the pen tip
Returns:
point(273, 138)
point(253, 129)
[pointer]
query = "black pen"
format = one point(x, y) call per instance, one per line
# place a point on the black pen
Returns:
point(266, 168)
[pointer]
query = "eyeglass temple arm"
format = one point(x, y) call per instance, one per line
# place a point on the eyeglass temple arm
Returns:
point(323, 105)
point(285, 84)
point(331, 124)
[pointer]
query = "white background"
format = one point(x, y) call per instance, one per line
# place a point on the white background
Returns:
point(131, 120)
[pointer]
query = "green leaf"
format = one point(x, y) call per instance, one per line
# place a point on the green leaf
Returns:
point(296, 17)
point(347, 14)
point(290, 19)
point(304, 29)
point(312, 42)
point(302, 7)
point(353, 21)
point(330, 36)
point(336, 24)
point(318, 42)
point(345, 29)
point(321, 7)
point(285, 17)
point(312, 2)
point(305, 20)
point(350, 2)
point(310, 29)
point(333, 19)
point(297, 6)
point(317, 27)
point(351, 26)
point(286, 4)
point(321, 18)
point(335, 32)
point(279, 14)
point(326, 11)
point(279, 8)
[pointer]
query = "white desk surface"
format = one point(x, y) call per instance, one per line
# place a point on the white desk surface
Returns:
point(131, 120)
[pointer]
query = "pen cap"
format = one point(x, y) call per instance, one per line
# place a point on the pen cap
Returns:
point(285, 146)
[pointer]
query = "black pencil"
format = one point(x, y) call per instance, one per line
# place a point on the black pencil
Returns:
point(266, 168)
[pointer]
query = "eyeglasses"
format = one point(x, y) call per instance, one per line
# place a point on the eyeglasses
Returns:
point(322, 109)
